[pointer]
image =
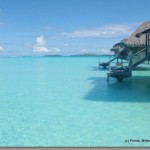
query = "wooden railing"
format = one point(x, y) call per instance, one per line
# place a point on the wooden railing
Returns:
point(137, 57)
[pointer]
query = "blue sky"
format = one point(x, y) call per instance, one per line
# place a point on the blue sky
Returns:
point(40, 27)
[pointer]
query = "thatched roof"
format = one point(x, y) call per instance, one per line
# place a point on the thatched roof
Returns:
point(133, 40)
point(121, 42)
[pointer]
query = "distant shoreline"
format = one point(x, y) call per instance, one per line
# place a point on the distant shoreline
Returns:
point(55, 56)
point(76, 55)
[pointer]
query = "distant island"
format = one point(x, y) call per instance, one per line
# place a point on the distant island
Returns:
point(86, 54)
point(52, 55)
point(90, 54)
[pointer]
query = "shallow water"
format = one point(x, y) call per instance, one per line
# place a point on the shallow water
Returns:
point(66, 101)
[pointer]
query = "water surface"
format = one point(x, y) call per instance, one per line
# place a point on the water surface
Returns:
point(66, 101)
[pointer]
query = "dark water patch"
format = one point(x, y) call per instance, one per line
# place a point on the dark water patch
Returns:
point(94, 68)
point(134, 89)
point(141, 68)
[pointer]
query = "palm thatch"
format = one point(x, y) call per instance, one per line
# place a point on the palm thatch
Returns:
point(131, 44)
point(133, 40)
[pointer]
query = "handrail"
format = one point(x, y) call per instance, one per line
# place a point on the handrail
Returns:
point(112, 59)
point(138, 52)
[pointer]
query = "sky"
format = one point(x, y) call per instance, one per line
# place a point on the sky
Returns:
point(67, 27)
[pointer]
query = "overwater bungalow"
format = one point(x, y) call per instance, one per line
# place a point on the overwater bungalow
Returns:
point(135, 50)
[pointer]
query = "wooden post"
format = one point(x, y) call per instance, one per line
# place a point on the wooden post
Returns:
point(148, 44)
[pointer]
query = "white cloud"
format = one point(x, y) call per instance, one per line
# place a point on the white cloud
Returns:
point(104, 51)
point(40, 45)
point(1, 48)
point(84, 50)
point(111, 30)
point(55, 49)
point(101, 51)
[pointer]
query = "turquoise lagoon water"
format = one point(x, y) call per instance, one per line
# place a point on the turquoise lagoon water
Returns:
point(66, 101)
